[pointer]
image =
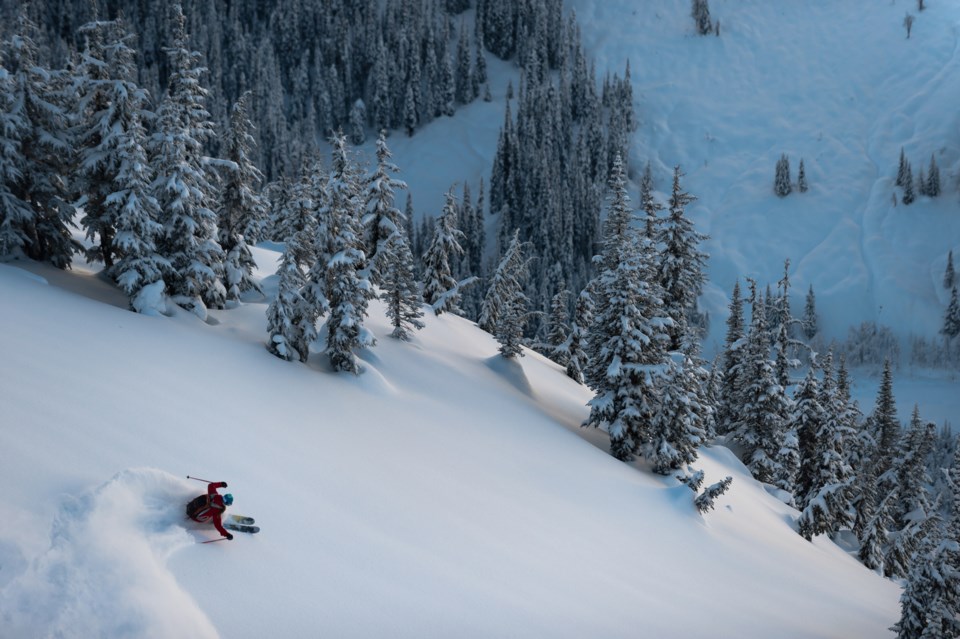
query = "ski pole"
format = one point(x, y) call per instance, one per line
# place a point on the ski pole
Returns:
point(213, 541)
point(198, 479)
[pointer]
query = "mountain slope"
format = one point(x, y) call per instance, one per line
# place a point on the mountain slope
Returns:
point(443, 492)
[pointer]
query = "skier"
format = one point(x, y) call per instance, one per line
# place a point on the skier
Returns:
point(210, 507)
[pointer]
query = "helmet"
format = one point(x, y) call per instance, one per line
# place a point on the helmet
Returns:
point(228, 499)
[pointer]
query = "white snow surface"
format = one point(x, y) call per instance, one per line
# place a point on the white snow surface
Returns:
point(447, 492)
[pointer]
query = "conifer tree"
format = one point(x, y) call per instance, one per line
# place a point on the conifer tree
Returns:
point(37, 222)
point(285, 321)
point(382, 219)
point(579, 328)
point(732, 364)
point(802, 178)
point(933, 178)
point(809, 321)
point(181, 185)
point(139, 270)
point(762, 417)
point(701, 16)
point(781, 180)
point(400, 290)
point(930, 602)
point(902, 170)
point(681, 263)
point(649, 204)
point(911, 499)
point(705, 501)
point(949, 275)
point(679, 423)
point(558, 329)
point(505, 307)
point(628, 335)
point(908, 192)
point(241, 206)
point(873, 540)
point(347, 285)
point(885, 423)
point(806, 419)
point(441, 290)
point(951, 320)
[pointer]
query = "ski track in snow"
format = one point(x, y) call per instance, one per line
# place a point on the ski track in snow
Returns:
point(105, 572)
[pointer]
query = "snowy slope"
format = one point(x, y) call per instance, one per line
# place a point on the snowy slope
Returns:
point(834, 83)
point(444, 492)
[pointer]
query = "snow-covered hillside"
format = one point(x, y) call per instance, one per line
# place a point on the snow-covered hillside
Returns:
point(444, 492)
point(447, 492)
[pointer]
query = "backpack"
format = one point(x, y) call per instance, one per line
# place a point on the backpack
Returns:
point(199, 508)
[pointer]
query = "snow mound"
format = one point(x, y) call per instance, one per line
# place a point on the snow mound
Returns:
point(105, 572)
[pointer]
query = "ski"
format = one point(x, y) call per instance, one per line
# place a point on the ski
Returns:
point(241, 528)
point(240, 519)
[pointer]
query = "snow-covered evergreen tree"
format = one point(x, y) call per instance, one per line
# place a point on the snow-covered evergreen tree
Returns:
point(949, 274)
point(285, 322)
point(731, 362)
point(681, 263)
point(761, 424)
point(649, 204)
point(781, 179)
point(679, 424)
point(37, 222)
point(701, 16)
point(440, 289)
point(558, 328)
point(809, 321)
point(382, 219)
point(628, 337)
point(241, 206)
point(930, 602)
point(505, 306)
point(706, 500)
point(951, 319)
point(902, 169)
point(181, 185)
point(347, 286)
point(933, 178)
point(577, 341)
point(908, 190)
point(399, 288)
point(802, 185)
point(886, 425)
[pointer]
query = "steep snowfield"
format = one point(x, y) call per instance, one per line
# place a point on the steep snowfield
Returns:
point(834, 83)
point(444, 492)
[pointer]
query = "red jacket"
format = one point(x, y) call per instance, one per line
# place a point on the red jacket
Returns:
point(214, 508)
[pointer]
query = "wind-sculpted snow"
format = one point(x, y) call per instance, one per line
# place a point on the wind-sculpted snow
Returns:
point(105, 572)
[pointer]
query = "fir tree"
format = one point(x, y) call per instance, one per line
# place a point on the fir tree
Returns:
point(874, 539)
point(949, 275)
point(806, 419)
point(181, 186)
point(933, 178)
point(930, 602)
point(579, 328)
point(908, 192)
point(681, 263)
point(781, 180)
point(382, 219)
point(705, 501)
point(628, 336)
point(241, 206)
point(505, 307)
point(678, 426)
point(902, 170)
point(649, 204)
point(802, 178)
point(285, 322)
point(701, 16)
point(347, 286)
point(951, 320)
point(762, 422)
point(885, 423)
point(558, 330)
point(37, 222)
point(809, 321)
point(441, 290)
point(732, 365)
point(400, 291)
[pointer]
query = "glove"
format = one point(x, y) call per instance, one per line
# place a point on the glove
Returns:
point(229, 537)
point(224, 484)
